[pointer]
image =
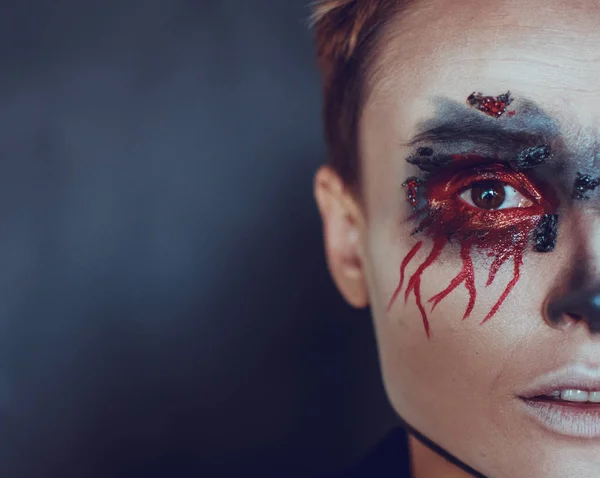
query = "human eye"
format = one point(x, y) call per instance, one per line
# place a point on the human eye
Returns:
point(485, 197)
point(492, 195)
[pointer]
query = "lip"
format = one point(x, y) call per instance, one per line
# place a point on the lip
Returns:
point(577, 377)
point(579, 420)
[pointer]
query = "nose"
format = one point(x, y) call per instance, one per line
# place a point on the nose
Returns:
point(576, 296)
point(578, 305)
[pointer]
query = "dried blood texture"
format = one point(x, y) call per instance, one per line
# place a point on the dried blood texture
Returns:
point(490, 105)
point(502, 234)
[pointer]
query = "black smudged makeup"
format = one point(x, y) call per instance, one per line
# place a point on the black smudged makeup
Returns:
point(583, 184)
point(546, 233)
point(429, 162)
point(530, 157)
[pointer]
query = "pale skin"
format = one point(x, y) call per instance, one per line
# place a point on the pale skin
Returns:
point(458, 387)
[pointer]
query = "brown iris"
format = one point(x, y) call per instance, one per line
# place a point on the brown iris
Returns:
point(488, 194)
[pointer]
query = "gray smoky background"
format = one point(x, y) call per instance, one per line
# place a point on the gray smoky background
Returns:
point(165, 306)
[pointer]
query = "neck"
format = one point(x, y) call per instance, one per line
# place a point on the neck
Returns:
point(426, 463)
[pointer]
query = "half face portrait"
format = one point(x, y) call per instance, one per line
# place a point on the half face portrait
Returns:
point(461, 204)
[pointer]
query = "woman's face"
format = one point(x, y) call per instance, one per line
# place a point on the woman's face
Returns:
point(456, 380)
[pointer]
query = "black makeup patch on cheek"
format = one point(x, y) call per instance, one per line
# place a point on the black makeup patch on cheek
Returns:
point(584, 183)
point(530, 157)
point(546, 233)
point(494, 106)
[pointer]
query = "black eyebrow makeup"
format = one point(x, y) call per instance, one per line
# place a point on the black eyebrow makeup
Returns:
point(455, 124)
point(524, 142)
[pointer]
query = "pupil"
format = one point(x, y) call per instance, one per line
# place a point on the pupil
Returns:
point(488, 194)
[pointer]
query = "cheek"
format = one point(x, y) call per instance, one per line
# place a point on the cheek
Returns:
point(458, 349)
point(437, 385)
point(458, 275)
point(463, 362)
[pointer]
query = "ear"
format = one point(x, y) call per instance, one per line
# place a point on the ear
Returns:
point(343, 225)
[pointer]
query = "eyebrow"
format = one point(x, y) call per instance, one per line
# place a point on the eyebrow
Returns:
point(458, 123)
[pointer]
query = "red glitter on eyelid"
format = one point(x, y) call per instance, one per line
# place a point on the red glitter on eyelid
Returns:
point(504, 234)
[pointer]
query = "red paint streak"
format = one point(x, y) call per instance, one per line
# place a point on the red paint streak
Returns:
point(509, 287)
point(405, 262)
point(414, 284)
point(503, 234)
point(512, 113)
point(498, 261)
point(438, 246)
point(466, 275)
point(490, 105)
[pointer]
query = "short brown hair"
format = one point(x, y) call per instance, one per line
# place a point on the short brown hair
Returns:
point(346, 34)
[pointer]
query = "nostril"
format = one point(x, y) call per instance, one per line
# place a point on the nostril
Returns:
point(554, 312)
point(581, 305)
point(563, 309)
point(574, 316)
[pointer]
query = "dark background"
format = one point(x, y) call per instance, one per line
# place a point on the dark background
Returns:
point(165, 306)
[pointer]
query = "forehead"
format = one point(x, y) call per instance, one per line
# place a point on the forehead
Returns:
point(545, 50)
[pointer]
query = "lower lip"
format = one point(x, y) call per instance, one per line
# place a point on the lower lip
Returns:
point(580, 420)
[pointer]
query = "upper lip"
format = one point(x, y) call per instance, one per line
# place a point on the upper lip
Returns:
point(574, 377)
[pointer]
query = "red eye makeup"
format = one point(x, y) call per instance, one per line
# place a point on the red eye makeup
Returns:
point(474, 203)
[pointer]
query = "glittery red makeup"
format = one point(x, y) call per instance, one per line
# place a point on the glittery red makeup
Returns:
point(490, 105)
point(413, 186)
point(501, 233)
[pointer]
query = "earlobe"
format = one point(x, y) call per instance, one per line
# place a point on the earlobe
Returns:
point(343, 225)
